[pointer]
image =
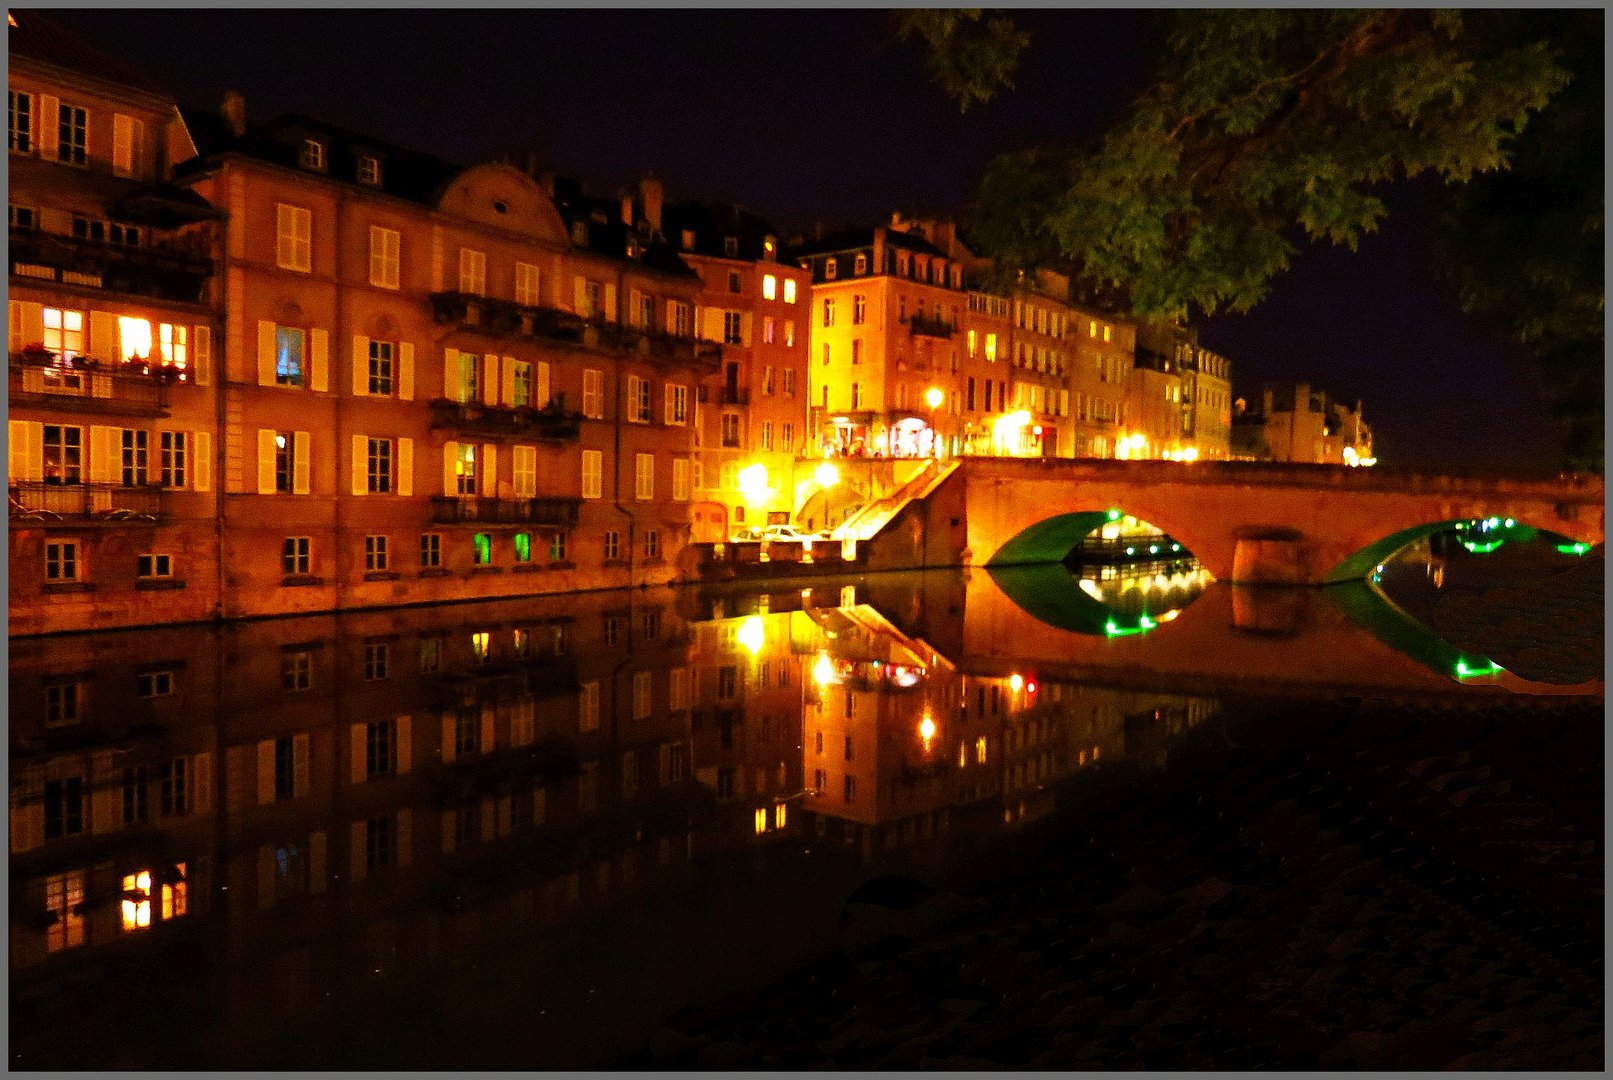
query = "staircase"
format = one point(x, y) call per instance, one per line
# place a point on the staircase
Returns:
point(874, 516)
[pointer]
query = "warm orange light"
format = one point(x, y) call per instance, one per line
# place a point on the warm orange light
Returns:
point(934, 396)
point(927, 729)
point(1016, 682)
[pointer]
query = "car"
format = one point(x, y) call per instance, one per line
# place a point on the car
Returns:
point(787, 533)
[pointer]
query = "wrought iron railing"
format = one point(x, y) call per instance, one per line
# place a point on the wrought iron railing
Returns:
point(551, 510)
point(109, 504)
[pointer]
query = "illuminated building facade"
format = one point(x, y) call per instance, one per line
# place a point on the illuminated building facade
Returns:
point(1155, 416)
point(1104, 355)
point(1299, 423)
point(112, 320)
point(752, 413)
point(887, 306)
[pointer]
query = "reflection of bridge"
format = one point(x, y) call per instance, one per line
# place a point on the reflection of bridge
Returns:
point(1246, 522)
point(1347, 641)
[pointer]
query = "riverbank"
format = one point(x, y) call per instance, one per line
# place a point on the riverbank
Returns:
point(1328, 886)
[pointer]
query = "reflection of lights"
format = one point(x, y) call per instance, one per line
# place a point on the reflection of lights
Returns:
point(1016, 682)
point(927, 730)
point(827, 475)
point(1510, 522)
point(1136, 442)
point(1573, 549)
point(905, 676)
point(1190, 454)
point(1167, 616)
point(1463, 670)
point(752, 634)
point(1090, 587)
point(823, 672)
point(1114, 515)
point(1145, 623)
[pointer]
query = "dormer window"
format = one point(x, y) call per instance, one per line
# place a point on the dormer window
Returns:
point(313, 155)
point(830, 268)
point(901, 263)
point(579, 233)
point(688, 239)
point(730, 246)
point(369, 170)
point(862, 264)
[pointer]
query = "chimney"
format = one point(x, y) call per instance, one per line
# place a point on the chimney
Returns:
point(627, 208)
point(650, 197)
point(234, 110)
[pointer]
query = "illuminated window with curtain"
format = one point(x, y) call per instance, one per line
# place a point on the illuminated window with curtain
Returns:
point(288, 356)
point(64, 332)
point(137, 900)
point(483, 543)
point(465, 469)
point(523, 547)
point(64, 900)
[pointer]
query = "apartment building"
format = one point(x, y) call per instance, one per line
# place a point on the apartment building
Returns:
point(752, 413)
point(438, 383)
point(112, 314)
point(887, 305)
point(1207, 393)
point(1104, 352)
point(1297, 422)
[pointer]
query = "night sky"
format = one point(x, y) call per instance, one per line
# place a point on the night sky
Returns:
point(825, 115)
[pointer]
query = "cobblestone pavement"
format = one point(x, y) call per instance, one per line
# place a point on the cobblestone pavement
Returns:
point(1349, 885)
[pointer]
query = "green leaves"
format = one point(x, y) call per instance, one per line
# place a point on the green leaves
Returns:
point(971, 57)
point(1265, 126)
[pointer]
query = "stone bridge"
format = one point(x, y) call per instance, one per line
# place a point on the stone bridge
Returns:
point(1247, 522)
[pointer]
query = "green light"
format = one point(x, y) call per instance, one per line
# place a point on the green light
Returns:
point(1153, 549)
point(1176, 547)
point(1114, 515)
point(1510, 522)
point(1145, 623)
point(1463, 671)
point(1112, 628)
point(1573, 549)
point(1482, 548)
point(1131, 551)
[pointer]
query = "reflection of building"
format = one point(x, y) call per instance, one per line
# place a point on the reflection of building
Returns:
point(753, 412)
point(113, 327)
point(1298, 423)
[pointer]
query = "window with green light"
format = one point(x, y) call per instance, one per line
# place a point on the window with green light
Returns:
point(484, 548)
point(523, 547)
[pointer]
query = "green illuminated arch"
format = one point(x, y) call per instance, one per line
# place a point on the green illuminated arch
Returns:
point(1368, 607)
point(1053, 595)
point(1050, 540)
point(1363, 562)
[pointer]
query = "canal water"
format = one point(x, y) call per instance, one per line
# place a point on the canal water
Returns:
point(605, 829)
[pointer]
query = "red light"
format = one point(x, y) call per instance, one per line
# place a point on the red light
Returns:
point(1030, 688)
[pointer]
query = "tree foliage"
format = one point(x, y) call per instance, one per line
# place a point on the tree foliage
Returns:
point(1265, 127)
point(1526, 245)
point(971, 57)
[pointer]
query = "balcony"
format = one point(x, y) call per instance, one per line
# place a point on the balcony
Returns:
point(924, 326)
point(734, 395)
point(506, 319)
point(38, 380)
point(93, 504)
point(552, 510)
point(504, 421)
point(171, 269)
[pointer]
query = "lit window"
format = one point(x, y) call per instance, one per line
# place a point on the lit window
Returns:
point(480, 645)
point(830, 267)
point(483, 545)
point(523, 553)
point(769, 287)
point(135, 338)
point(294, 237)
point(137, 900)
point(789, 292)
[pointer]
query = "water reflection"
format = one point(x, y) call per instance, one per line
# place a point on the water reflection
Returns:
point(294, 825)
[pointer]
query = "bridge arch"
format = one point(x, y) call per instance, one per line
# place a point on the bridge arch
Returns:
point(1357, 566)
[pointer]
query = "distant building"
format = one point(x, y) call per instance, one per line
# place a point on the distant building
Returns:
point(1297, 423)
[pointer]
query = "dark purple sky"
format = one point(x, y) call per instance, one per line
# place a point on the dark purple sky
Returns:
point(806, 115)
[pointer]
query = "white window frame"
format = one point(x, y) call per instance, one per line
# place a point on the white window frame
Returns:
point(385, 247)
point(593, 474)
point(294, 237)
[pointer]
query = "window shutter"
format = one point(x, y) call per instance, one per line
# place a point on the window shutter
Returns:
point(487, 466)
point(610, 302)
point(50, 120)
point(405, 835)
point(489, 386)
point(299, 464)
point(487, 729)
point(122, 145)
point(299, 764)
point(543, 394)
point(265, 772)
point(265, 353)
point(265, 461)
point(201, 772)
point(671, 316)
point(406, 371)
point(449, 751)
point(357, 766)
point(450, 457)
point(405, 467)
point(745, 328)
point(319, 361)
point(14, 326)
point(580, 296)
point(316, 862)
point(713, 324)
point(202, 356)
point(666, 403)
point(201, 461)
point(101, 463)
point(27, 450)
point(635, 301)
point(453, 382)
point(404, 758)
point(361, 465)
point(507, 387)
point(105, 342)
point(266, 876)
point(361, 365)
point(357, 865)
point(32, 322)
